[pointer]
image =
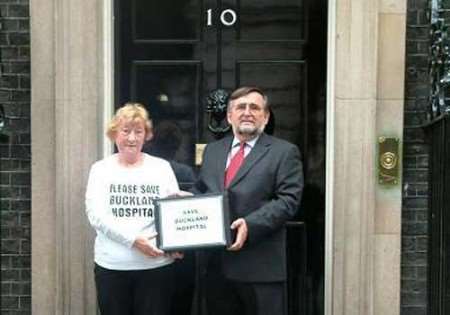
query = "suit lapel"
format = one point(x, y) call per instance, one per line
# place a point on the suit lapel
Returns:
point(222, 156)
point(260, 149)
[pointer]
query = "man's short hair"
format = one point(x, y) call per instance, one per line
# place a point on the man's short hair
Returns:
point(245, 90)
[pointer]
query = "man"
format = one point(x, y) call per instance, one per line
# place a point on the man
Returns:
point(264, 180)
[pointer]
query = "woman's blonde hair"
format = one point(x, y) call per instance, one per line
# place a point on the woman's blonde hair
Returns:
point(130, 112)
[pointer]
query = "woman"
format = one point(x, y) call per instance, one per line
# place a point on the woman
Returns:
point(132, 275)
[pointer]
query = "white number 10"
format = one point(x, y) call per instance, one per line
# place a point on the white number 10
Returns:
point(227, 17)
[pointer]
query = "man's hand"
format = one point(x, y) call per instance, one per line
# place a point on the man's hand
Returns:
point(241, 234)
point(142, 244)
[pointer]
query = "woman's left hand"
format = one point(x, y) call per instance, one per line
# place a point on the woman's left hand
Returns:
point(142, 243)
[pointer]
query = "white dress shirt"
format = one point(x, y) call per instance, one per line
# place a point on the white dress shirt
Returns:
point(235, 148)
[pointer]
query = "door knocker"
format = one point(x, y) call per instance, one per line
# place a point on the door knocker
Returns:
point(217, 111)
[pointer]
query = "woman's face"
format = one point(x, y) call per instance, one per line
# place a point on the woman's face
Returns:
point(130, 137)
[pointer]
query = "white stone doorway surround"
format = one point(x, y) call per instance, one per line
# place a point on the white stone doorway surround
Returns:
point(71, 51)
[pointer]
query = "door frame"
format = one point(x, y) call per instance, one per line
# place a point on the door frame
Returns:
point(108, 109)
point(329, 157)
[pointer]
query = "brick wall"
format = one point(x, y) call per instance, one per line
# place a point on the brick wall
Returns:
point(15, 158)
point(415, 164)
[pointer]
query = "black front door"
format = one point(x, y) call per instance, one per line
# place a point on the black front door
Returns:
point(171, 54)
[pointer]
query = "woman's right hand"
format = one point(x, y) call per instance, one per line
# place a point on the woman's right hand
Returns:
point(142, 243)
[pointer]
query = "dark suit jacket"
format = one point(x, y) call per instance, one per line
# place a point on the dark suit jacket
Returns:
point(266, 192)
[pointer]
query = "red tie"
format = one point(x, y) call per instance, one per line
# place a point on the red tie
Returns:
point(235, 164)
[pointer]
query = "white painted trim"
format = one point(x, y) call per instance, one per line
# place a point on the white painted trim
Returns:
point(108, 77)
point(329, 175)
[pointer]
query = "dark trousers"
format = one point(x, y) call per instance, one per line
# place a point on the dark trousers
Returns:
point(134, 292)
point(227, 297)
point(184, 271)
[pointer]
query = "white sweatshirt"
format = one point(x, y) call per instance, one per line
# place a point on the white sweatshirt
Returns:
point(119, 205)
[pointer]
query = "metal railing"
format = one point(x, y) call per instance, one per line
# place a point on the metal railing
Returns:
point(438, 138)
point(439, 217)
point(439, 63)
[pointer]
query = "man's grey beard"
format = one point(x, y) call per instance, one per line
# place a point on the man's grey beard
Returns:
point(250, 132)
